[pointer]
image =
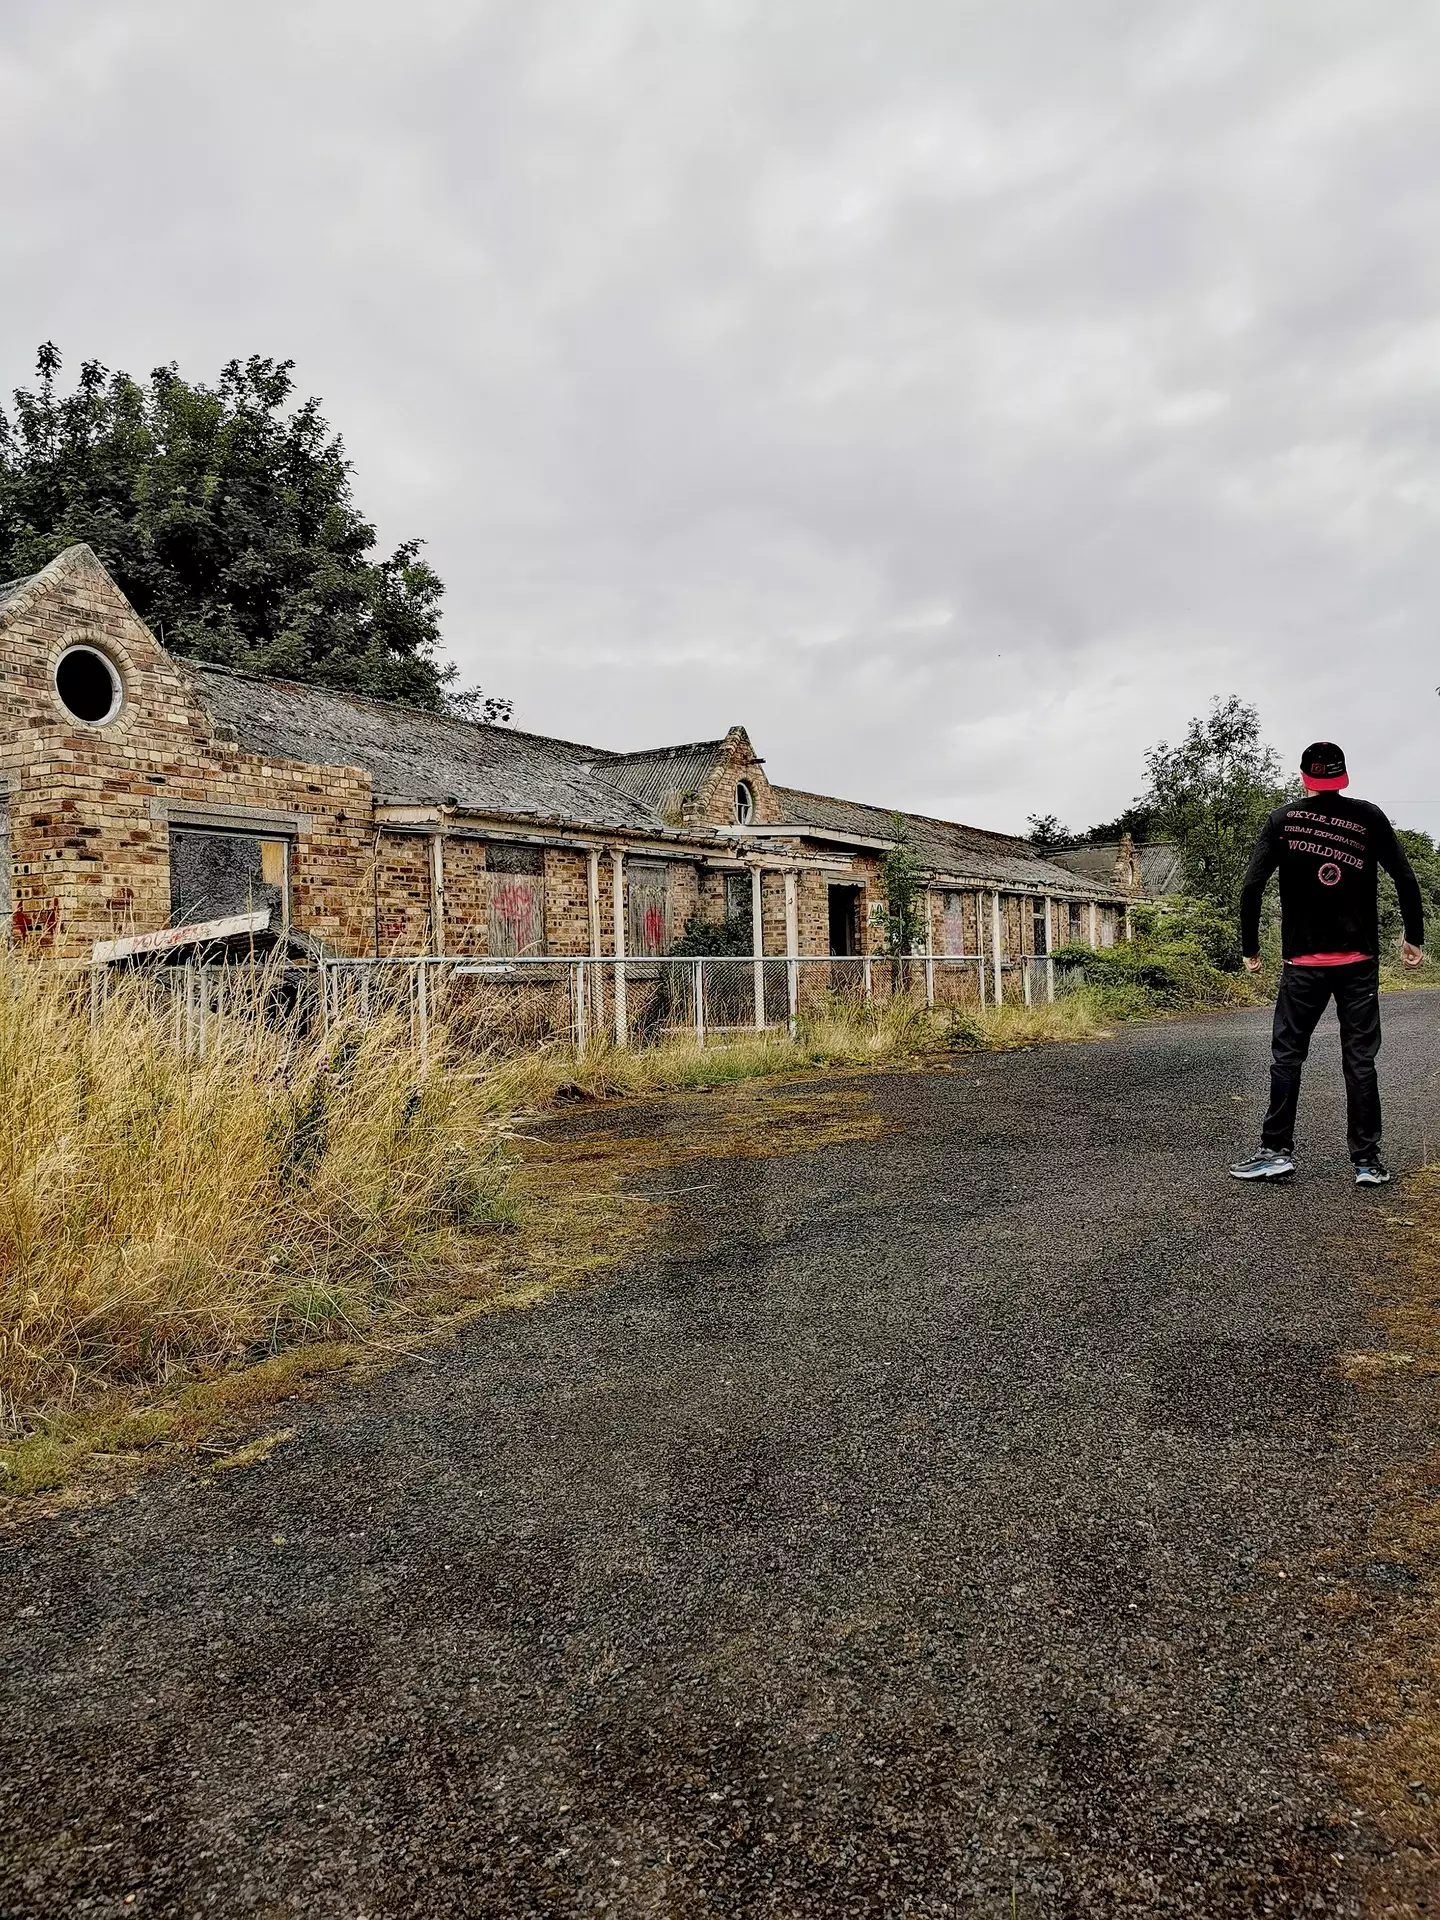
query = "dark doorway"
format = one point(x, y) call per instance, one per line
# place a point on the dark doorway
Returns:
point(845, 921)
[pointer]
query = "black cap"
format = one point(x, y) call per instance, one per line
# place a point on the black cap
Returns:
point(1323, 765)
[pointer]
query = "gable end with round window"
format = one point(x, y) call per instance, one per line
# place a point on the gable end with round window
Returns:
point(88, 685)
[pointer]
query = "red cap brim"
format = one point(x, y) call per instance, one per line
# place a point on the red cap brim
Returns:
point(1325, 786)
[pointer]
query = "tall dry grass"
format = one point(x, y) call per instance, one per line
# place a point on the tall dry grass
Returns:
point(838, 1034)
point(162, 1214)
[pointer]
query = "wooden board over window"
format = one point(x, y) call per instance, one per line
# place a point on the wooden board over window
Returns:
point(517, 899)
point(649, 907)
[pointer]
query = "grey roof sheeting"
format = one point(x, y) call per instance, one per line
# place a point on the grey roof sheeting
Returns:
point(662, 777)
point(943, 846)
point(419, 758)
point(1157, 863)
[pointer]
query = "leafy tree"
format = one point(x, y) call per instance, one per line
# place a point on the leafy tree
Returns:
point(1210, 793)
point(227, 518)
point(1047, 835)
point(902, 911)
point(1138, 820)
point(1424, 857)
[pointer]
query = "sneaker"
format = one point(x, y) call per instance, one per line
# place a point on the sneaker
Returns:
point(1270, 1163)
point(1371, 1173)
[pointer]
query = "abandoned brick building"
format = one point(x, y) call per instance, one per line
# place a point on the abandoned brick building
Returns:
point(140, 792)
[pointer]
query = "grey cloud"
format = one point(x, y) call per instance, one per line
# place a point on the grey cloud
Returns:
point(958, 395)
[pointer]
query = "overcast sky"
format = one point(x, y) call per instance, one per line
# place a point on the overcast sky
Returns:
point(957, 395)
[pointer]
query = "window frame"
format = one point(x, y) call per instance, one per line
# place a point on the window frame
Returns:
point(116, 677)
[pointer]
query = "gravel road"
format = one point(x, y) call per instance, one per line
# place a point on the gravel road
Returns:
point(929, 1527)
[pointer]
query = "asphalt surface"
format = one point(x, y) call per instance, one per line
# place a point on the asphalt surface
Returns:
point(932, 1527)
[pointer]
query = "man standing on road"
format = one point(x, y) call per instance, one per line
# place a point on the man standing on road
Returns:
point(1327, 848)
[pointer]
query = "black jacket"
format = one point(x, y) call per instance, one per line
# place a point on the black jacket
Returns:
point(1327, 847)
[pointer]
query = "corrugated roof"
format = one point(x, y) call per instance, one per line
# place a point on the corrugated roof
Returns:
point(661, 777)
point(943, 846)
point(420, 758)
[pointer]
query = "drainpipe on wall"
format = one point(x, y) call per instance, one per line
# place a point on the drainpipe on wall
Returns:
point(996, 950)
point(375, 887)
point(437, 893)
point(617, 863)
point(757, 939)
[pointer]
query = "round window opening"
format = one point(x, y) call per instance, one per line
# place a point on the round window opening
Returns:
point(744, 803)
point(88, 686)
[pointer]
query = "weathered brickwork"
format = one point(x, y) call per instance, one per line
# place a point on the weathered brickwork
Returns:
point(89, 859)
point(91, 809)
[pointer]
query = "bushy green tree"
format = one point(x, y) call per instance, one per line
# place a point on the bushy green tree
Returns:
point(1048, 833)
point(226, 515)
point(1424, 857)
point(903, 899)
point(1210, 794)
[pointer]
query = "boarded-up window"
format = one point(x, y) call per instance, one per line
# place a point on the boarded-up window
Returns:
point(215, 875)
point(1077, 922)
point(1107, 926)
point(649, 890)
point(517, 899)
point(954, 928)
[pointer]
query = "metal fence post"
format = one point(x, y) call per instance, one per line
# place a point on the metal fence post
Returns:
point(699, 987)
point(1050, 978)
point(1026, 970)
point(582, 1011)
point(423, 1010)
point(869, 983)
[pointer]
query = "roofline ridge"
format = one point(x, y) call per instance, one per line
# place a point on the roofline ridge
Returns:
point(927, 819)
point(385, 706)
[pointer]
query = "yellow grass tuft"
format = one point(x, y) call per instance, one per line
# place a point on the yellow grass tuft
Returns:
point(162, 1214)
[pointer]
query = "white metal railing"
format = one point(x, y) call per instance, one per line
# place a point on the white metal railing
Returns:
point(589, 998)
point(513, 1004)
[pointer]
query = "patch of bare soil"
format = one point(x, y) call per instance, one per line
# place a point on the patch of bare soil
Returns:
point(1388, 1594)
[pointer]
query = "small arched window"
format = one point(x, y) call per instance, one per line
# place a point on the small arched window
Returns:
point(744, 803)
point(88, 685)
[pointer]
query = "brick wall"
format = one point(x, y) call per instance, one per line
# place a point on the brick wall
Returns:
point(88, 859)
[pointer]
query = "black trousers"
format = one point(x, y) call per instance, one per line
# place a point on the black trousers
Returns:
point(1304, 994)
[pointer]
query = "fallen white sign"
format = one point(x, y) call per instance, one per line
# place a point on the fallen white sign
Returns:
point(168, 939)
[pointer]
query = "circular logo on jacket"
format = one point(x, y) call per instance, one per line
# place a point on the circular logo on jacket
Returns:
point(1329, 874)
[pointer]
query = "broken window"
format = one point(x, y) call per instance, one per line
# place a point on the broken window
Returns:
point(744, 803)
point(1077, 922)
point(215, 874)
point(649, 890)
point(1041, 943)
point(517, 899)
point(737, 897)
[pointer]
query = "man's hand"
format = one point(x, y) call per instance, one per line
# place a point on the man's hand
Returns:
point(1253, 962)
point(1412, 956)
